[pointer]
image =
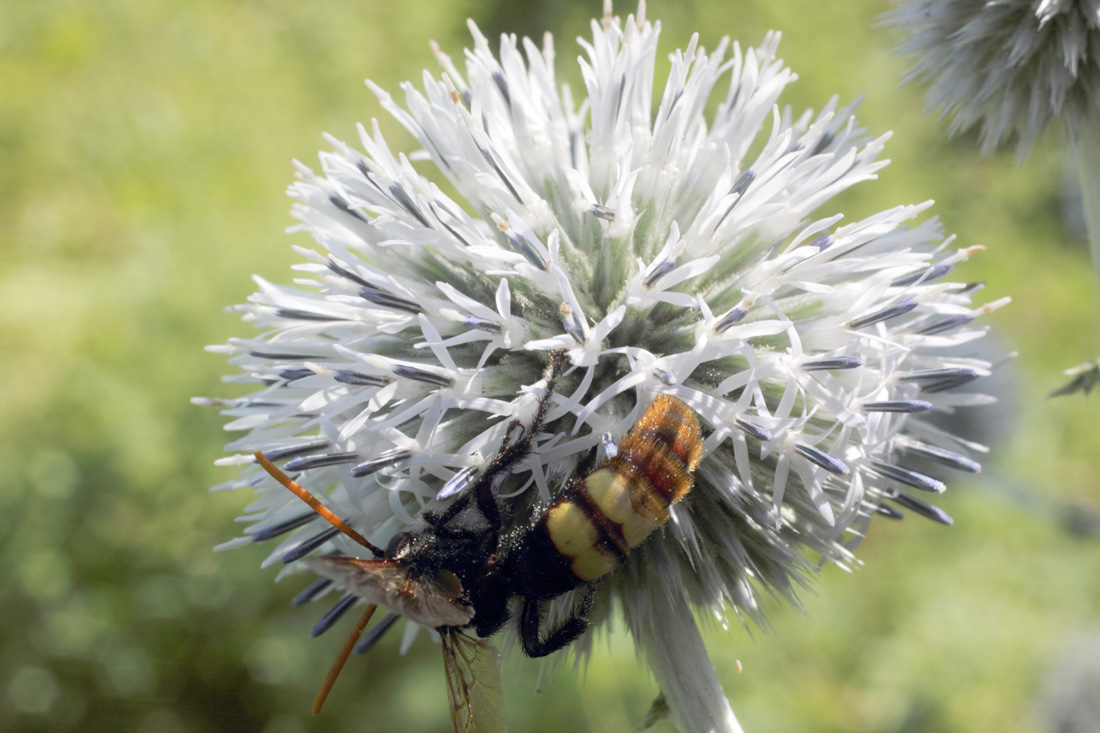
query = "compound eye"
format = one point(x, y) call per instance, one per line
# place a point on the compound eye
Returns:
point(399, 544)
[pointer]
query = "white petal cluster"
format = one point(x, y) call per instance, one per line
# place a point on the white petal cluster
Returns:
point(668, 250)
point(1008, 65)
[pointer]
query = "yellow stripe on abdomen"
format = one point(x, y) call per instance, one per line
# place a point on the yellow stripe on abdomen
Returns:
point(575, 536)
point(625, 505)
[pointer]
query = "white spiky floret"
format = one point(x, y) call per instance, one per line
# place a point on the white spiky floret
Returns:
point(666, 252)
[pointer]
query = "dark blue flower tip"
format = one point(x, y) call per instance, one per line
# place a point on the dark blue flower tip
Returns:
point(292, 375)
point(375, 633)
point(897, 406)
point(944, 324)
point(347, 274)
point(275, 530)
point(308, 546)
point(407, 371)
point(492, 161)
point(753, 430)
point(405, 202)
point(333, 615)
point(659, 271)
point(945, 457)
point(889, 512)
point(320, 461)
point(310, 592)
point(342, 204)
point(897, 309)
point(823, 459)
point(526, 248)
point(480, 324)
point(608, 446)
point(730, 319)
point(923, 276)
point(926, 510)
point(572, 325)
point(602, 212)
point(358, 379)
point(743, 182)
point(457, 483)
point(386, 299)
point(909, 477)
point(385, 460)
point(833, 362)
point(291, 451)
point(297, 314)
point(941, 380)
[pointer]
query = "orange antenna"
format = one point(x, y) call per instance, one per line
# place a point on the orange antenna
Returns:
point(308, 498)
point(338, 665)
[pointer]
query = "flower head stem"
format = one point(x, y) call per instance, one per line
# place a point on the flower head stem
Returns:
point(669, 638)
point(1086, 149)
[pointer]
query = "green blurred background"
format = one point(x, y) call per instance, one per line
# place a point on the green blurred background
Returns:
point(144, 152)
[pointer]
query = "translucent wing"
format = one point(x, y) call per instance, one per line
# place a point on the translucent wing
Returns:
point(473, 682)
point(432, 600)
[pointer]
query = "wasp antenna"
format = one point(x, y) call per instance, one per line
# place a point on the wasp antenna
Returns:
point(308, 498)
point(338, 665)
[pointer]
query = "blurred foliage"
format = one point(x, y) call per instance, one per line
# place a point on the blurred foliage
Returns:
point(144, 149)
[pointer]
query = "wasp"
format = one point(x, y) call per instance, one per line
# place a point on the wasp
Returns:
point(460, 571)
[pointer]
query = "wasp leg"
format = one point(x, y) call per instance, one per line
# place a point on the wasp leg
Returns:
point(512, 450)
point(565, 634)
point(490, 598)
point(435, 519)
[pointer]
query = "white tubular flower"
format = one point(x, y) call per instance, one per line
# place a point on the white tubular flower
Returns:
point(667, 252)
point(1010, 67)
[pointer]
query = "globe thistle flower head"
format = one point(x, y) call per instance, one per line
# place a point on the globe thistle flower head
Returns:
point(1009, 66)
point(666, 252)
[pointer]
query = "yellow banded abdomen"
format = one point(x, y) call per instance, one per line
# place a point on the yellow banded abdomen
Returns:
point(576, 537)
point(600, 518)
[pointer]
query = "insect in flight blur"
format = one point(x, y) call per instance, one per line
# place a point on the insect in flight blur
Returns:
point(459, 572)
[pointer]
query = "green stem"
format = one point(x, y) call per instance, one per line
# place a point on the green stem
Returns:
point(1087, 149)
point(683, 670)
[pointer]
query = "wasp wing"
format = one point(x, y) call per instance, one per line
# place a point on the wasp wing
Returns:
point(432, 600)
point(473, 682)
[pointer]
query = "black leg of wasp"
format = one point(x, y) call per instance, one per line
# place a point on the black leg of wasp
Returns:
point(570, 629)
point(553, 373)
point(515, 450)
point(438, 519)
point(512, 449)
